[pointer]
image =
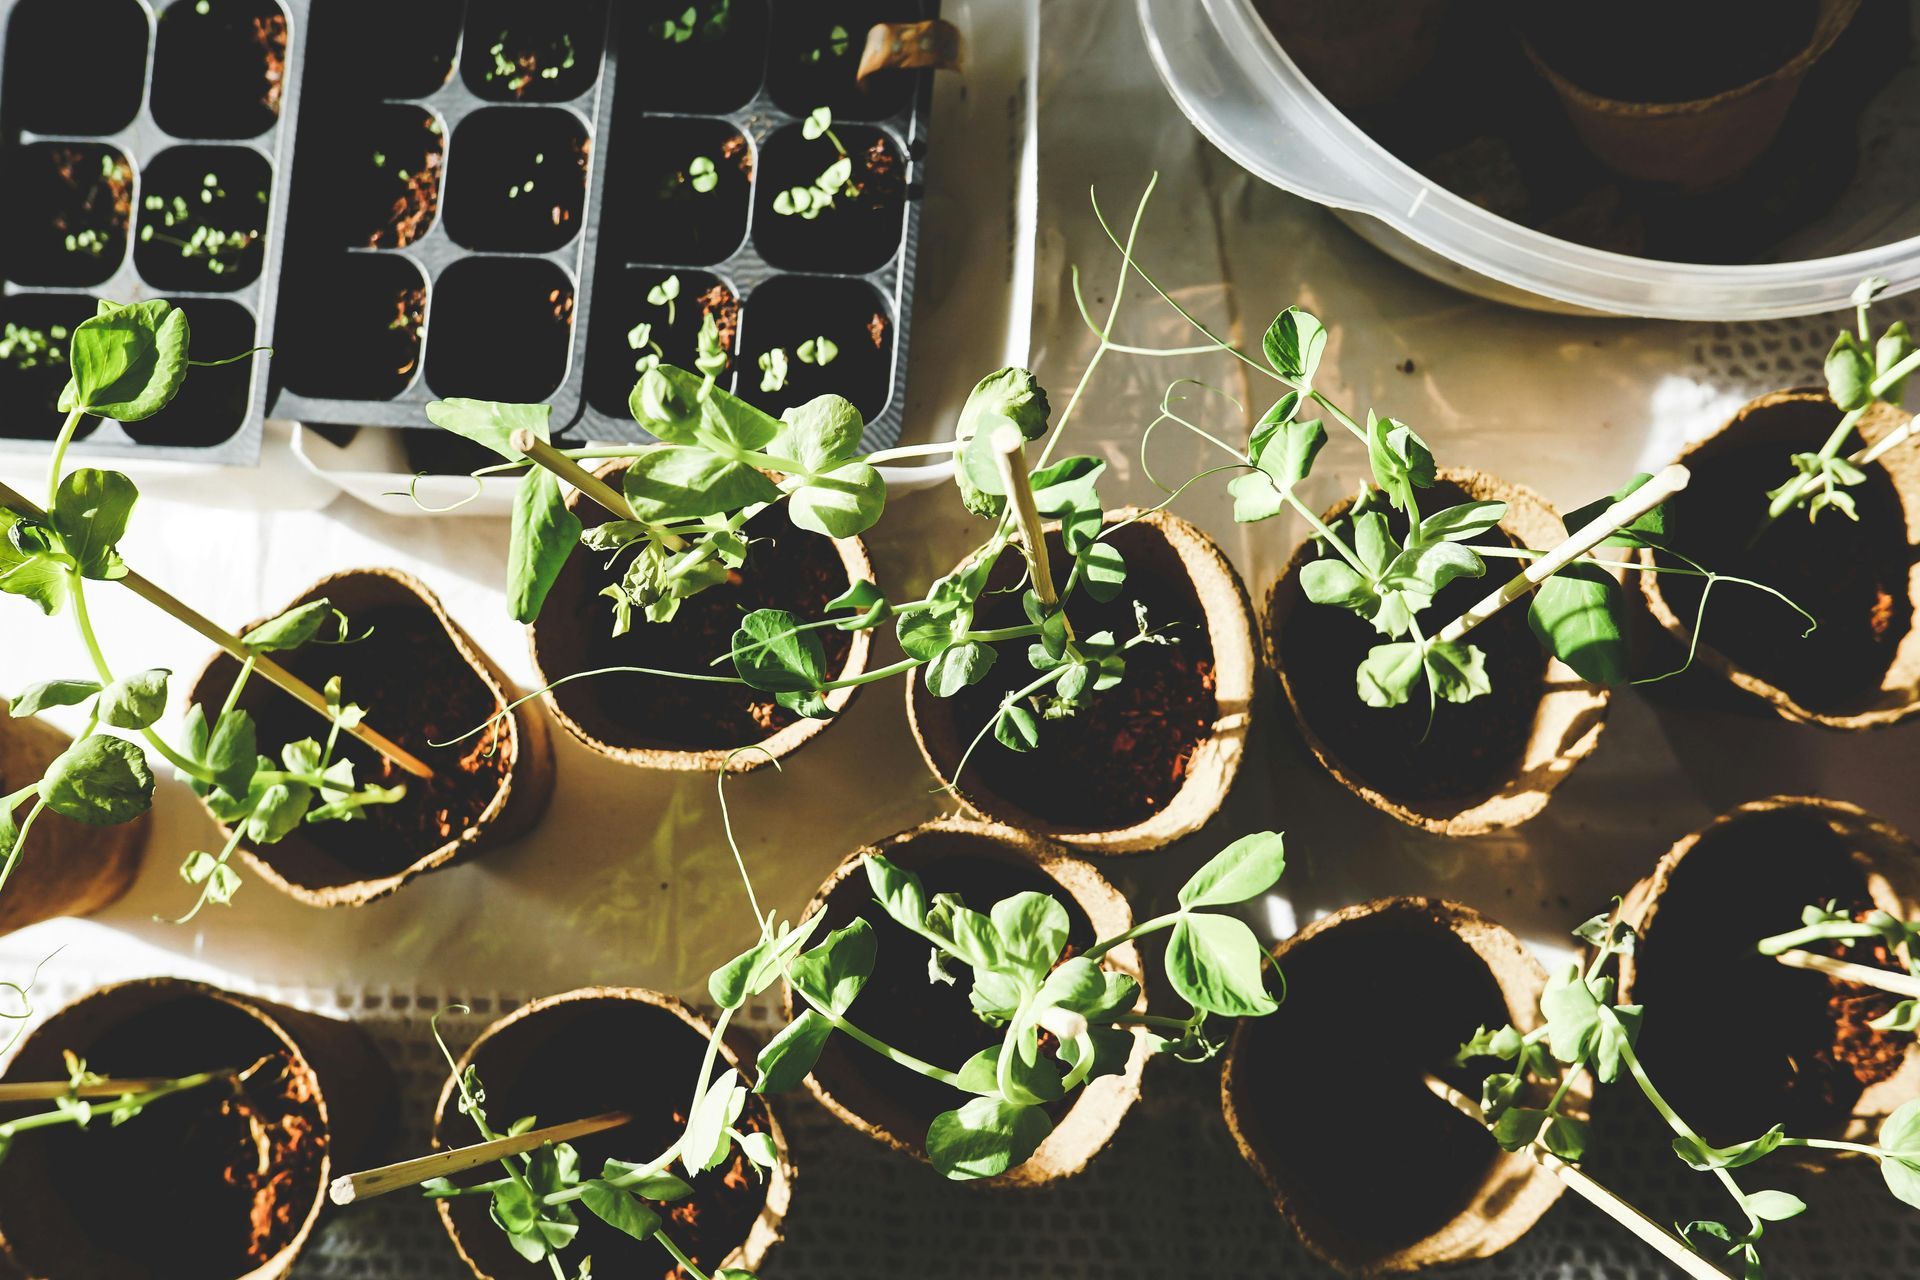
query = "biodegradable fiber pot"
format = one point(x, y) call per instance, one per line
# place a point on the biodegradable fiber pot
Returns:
point(194, 1203)
point(1488, 764)
point(1360, 53)
point(1779, 1045)
point(614, 1049)
point(67, 868)
point(422, 680)
point(1376, 1173)
point(1711, 134)
point(655, 722)
point(1860, 669)
point(983, 862)
point(1148, 761)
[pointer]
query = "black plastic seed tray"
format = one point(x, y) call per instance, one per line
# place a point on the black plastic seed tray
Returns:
point(488, 192)
point(143, 154)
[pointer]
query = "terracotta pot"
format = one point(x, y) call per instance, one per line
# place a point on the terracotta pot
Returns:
point(167, 1026)
point(1449, 1194)
point(1360, 53)
point(1713, 896)
point(889, 1103)
point(67, 868)
point(1727, 491)
point(573, 610)
point(1160, 548)
point(1563, 725)
point(1704, 141)
point(607, 1049)
point(309, 862)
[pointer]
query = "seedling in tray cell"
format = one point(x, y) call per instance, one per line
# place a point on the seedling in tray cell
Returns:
point(792, 315)
point(522, 180)
point(700, 56)
point(816, 52)
point(516, 54)
point(35, 330)
point(67, 213)
point(202, 216)
point(681, 190)
point(219, 68)
point(844, 215)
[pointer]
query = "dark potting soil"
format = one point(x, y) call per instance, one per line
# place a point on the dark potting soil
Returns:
point(786, 568)
point(203, 212)
point(522, 182)
point(1851, 576)
point(1123, 758)
point(535, 1067)
point(67, 213)
point(412, 55)
point(362, 330)
point(859, 232)
point(390, 189)
point(1483, 123)
point(226, 1177)
point(717, 68)
point(816, 51)
point(502, 329)
point(219, 68)
point(1473, 747)
point(902, 1006)
point(657, 214)
point(549, 54)
point(787, 311)
point(1297, 1060)
point(1736, 1040)
point(418, 690)
point(613, 361)
point(56, 84)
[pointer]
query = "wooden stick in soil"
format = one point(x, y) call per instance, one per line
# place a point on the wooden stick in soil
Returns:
point(1008, 445)
point(1592, 534)
point(1899, 984)
point(179, 610)
point(48, 1090)
point(1644, 1228)
point(538, 451)
point(407, 1173)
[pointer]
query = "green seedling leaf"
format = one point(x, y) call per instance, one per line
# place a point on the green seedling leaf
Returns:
point(985, 1138)
point(90, 511)
point(1573, 1015)
point(1895, 345)
point(1216, 964)
point(1387, 675)
point(99, 780)
point(674, 482)
point(681, 408)
point(1293, 344)
point(490, 422)
point(296, 627)
point(1009, 395)
point(1579, 615)
point(544, 532)
point(36, 698)
point(1065, 492)
point(842, 502)
point(279, 810)
point(1849, 370)
point(1458, 672)
point(868, 603)
point(1700, 1156)
point(758, 967)
point(231, 752)
point(788, 1058)
point(820, 434)
point(1103, 571)
point(1016, 729)
point(127, 361)
point(662, 1187)
point(1240, 872)
point(1775, 1206)
point(898, 890)
point(957, 667)
point(1468, 520)
point(135, 701)
point(30, 564)
point(619, 1209)
point(1900, 1140)
point(1400, 459)
point(1648, 530)
point(832, 974)
point(707, 1141)
point(1033, 929)
point(772, 655)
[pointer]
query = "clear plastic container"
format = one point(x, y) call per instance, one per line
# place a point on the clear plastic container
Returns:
point(1233, 80)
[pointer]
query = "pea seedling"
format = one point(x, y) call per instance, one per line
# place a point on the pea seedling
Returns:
point(1586, 1031)
point(1826, 925)
point(773, 370)
point(25, 348)
point(665, 294)
point(85, 1097)
point(709, 20)
point(834, 182)
point(838, 44)
point(221, 249)
point(127, 363)
point(821, 351)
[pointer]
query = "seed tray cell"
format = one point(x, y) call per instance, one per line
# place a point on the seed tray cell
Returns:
point(666, 171)
point(144, 148)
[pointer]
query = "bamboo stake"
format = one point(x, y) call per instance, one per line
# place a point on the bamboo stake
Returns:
point(1651, 1233)
point(1899, 984)
point(350, 1187)
point(1592, 534)
point(538, 451)
point(48, 1090)
point(179, 610)
point(1008, 444)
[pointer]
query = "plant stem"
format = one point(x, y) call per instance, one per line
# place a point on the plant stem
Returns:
point(881, 1047)
point(83, 622)
point(686, 1263)
point(1154, 925)
point(1899, 984)
point(542, 454)
point(20, 840)
point(47, 1119)
point(59, 458)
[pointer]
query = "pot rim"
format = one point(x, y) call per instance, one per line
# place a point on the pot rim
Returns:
point(1216, 760)
point(1104, 1102)
point(780, 743)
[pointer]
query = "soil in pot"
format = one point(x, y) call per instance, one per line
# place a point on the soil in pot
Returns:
point(203, 212)
point(67, 212)
point(34, 328)
point(786, 568)
point(219, 67)
point(548, 53)
point(362, 328)
point(225, 1180)
point(661, 213)
point(1123, 758)
point(619, 345)
point(521, 183)
point(787, 311)
point(1472, 746)
point(815, 52)
point(1774, 1045)
point(900, 1005)
point(1850, 575)
point(859, 232)
point(501, 331)
point(534, 1066)
point(212, 404)
point(1297, 1062)
point(712, 64)
point(395, 50)
point(418, 689)
point(57, 84)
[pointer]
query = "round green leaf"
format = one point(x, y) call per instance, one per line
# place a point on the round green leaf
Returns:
point(99, 780)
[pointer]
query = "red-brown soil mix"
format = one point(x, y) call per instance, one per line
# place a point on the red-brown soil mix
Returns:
point(1472, 746)
point(412, 211)
point(903, 1006)
point(225, 1175)
point(786, 568)
point(97, 197)
point(1736, 1040)
point(720, 303)
point(1850, 575)
point(418, 690)
point(270, 33)
point(1305, 1058)
point(580, 1058)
